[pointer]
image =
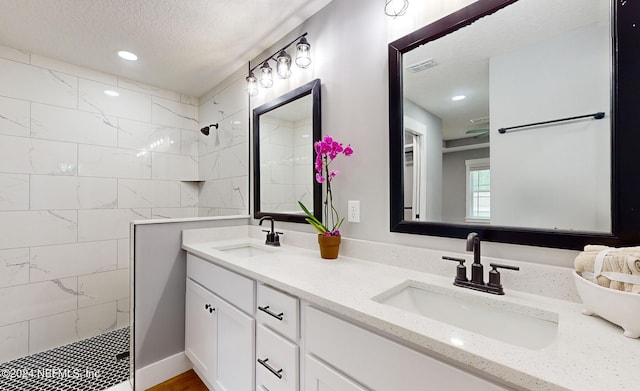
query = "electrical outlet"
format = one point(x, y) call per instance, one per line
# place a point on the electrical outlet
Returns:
point(354, 212)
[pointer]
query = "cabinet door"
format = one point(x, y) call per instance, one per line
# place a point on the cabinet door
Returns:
point(235, 369)
point(201, 329)
point(319, 377)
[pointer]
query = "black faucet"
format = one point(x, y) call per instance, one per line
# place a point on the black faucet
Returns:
point(477, 273)
point(273, 238)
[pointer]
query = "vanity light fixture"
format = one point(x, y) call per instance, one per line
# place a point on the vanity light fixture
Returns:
point(252, 84)
point(266, 75)
point(458, 97)
point(303, 53)
point(395, 8)
point(283, 65)
point(127, 55)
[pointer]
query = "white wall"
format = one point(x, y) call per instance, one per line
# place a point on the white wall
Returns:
point(349, 41)
point(75, 167)
point(562, 77)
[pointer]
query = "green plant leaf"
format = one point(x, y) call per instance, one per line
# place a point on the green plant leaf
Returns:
point(313, 220)
point(339, 223)
point(319, 227)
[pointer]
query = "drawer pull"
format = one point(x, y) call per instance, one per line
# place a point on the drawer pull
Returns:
point(279, 316)
point(278, 373)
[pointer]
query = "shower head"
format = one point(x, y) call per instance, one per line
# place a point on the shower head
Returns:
point(205, 130)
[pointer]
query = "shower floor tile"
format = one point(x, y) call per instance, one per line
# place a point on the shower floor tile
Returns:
point(87, 365)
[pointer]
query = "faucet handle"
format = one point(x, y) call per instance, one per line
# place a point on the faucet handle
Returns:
point(494, 276)
point(461, 269)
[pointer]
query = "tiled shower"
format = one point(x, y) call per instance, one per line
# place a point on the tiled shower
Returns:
point(76, 165)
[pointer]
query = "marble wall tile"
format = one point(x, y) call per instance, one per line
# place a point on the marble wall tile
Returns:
point(230, 193)
point(189, 194)
point(189, 143)
point(113, 162)
point(233, 161)
point(96, 320)
point(58, 123)
point(208, 166)
point(172, 113)
point(148, 137)
point(123, 253)
point(63, 192)
point(37, 228)
point(14, 267)
point(14, 117)
point(29, 156)
point(24, 302)
point(14, 341)
point(173, 213)
point(60, 329)
point(232, 130)
point(51, 262)
point(36, 84)
point(103, 287)
point(106, 224)
point(134, 193)
point(71, 69)
point(15, 54)
point(14, 192)
point(129, 104)
point(176, 167)
point(148, 89)
point(190, 100)
point(123, 313)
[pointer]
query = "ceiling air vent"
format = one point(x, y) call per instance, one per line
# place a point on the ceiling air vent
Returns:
point(478, 121)
point(422, 65)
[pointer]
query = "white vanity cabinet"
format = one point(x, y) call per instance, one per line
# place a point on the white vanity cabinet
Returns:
point(219, 335)
point(277, 357)
point(374, 361)
point(320, 377)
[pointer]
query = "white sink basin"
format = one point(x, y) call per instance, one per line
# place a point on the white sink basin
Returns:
point(519, 325)
point(245, 250)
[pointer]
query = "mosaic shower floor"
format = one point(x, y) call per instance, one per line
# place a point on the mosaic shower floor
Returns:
point(87, 365)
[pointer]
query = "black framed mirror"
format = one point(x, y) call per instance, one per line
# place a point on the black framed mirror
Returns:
point(611, 183)
point(284, 131)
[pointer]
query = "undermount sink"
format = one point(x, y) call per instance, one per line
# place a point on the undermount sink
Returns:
point(528, 327)
point(245, 250)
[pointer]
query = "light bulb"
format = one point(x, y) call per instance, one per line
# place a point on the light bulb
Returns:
point(395, 8)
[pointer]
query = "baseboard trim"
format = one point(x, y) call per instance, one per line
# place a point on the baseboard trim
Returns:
point(161, 371)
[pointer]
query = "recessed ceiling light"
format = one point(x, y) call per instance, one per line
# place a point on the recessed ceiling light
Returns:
point(111, 93)
point(127, 55)
point(458, 97)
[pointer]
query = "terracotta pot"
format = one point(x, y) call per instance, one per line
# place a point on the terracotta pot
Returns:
point(329, 246)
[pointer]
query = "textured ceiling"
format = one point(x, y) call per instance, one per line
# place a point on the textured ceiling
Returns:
point(187, 46)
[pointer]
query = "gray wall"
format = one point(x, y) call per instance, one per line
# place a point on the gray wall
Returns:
point(454, 183)
point(160, 270)
point(349, 41)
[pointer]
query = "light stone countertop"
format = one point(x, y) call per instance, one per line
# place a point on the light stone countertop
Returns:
point(588, 353)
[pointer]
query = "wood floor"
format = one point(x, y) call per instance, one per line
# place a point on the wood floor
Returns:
point(183, 382)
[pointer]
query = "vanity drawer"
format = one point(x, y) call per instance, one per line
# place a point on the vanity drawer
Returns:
point(234, 288)
point(281, 356)
point(279, 311)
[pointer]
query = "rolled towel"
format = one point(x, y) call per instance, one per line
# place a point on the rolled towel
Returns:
point(615, 266)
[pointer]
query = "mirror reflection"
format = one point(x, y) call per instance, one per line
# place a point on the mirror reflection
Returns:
point(533, 61)
point(284, 132)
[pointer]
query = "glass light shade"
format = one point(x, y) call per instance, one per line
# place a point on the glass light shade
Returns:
point(283, 67)
point(303, 53)
point(266, 75)
point(395, 8)
point(252, 85)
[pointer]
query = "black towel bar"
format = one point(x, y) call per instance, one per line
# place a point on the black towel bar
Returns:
point(598, 115)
